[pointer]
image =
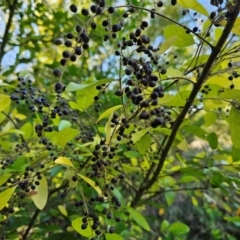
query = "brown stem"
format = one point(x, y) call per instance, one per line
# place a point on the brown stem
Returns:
point(12, 8)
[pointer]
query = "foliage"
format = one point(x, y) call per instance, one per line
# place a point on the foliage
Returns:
point(119, 121)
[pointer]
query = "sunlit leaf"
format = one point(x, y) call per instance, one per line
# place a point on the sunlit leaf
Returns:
point(108, 112)
point(113, 236)
point(194, 5)
point(234, 125)
point(91, 183)
point(144, 143)
point(183, 39)
point(75, 86)
point(4, 178)
point(5, 101)
point(64, 161)
point(76, 224)
point(138, 135)
point(172, 100)
point(5, 196)
point(138, 217)
point(63, 210)
point(167, 44)
point(41, 196)
point(66, 135)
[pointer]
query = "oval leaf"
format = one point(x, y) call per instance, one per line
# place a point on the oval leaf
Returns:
point(167, 44)
point(138, 217)
point(113, 236)
point(41, 196)
point(178, 228)
point(64, 161)
point(76, 224)
point(108, 112)
point(234, 124)
point(194, 5)
point(5, 196)
point(4, 178)
point(91, 183)
point(183, 39)
point(4, 101)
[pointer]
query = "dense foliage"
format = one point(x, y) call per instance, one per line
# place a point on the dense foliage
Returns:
point(120, 120)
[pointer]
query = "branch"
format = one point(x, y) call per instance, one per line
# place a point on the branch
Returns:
point(12, 8)
point(205, 72)
point(35, 215)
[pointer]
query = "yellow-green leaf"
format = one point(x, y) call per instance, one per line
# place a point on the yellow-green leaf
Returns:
point(108, 112)
point(66, 135)
point(76, 224)
point(108, 129)
point(41, 196)
point(63, 210)
point(5, 101)
point(91, 183)
point(138, 217)
point(64, 161)
point(194, 5)
point(183, 39)
point(167, 44)
point(4, 178)
point(236, 26)
point(234, 125)
point(138, 135)
point(113, 236)
point(5, 196)
point(178, 228)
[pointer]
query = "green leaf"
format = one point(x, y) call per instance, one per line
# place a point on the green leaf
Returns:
point(172, 100)
point(108, 112)
point(76, 224)
point(138, 135)
point(164, 225)
point(230, 94)
point(91, 183)
point(5, 196)
point(66, 135)
point(178, 228)
point(196, 130)
point(64, 124)
point(113, 236)
point(85, 97)
point(212, 140)
point(209, 119)
point(131, 154)
point(4, 178)
point(194, 5)
point(71, 87)
point(64, 161)
point(144, 143)
point(232, 219)
point(183, 39)
point(170, 197)
point(27, 129)
point(234, 125)
point(5, 101)
point(40, 193)
point(138, 217)
point(167, 44)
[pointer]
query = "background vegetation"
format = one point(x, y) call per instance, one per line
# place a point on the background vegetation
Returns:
point(119, 119)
